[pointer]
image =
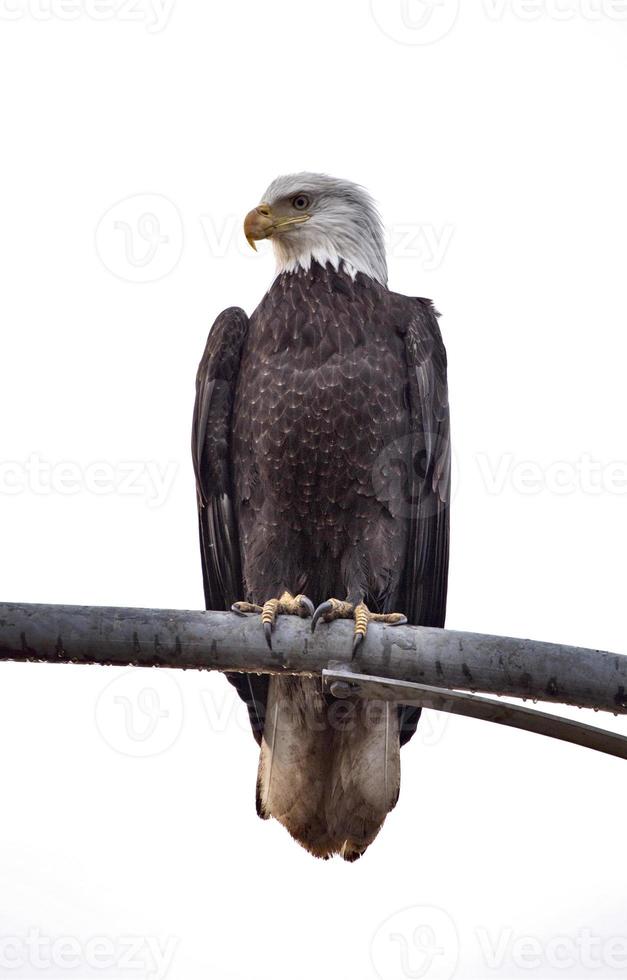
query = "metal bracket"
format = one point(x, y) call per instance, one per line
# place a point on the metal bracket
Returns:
point(345, 684)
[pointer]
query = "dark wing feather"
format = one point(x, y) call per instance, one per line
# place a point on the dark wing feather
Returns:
point(424, 583)
point(425, 579)
point(215, 391)
point(216, 383)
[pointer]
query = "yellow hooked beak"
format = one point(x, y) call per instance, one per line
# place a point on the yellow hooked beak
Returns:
point(261, 223)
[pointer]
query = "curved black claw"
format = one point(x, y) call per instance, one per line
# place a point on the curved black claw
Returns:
point(307, 604)
point(322, 609)
point(357, 639)
point(238, 612)
point(402, 622)
point(267, 629)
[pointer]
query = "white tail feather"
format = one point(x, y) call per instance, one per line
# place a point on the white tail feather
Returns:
point(329, 771)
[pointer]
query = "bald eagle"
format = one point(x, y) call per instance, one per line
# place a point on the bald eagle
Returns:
point(322, 459)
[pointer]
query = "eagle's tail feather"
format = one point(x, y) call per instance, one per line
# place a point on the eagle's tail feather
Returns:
point(329, 772)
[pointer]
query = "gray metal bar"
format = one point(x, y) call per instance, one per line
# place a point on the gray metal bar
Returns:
point(349, 684)
point(222, 641)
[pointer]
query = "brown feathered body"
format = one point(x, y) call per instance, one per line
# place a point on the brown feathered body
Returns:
point(322, 457)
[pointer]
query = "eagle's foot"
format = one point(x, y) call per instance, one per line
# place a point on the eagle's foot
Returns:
point(363, 617)
point(360, 614)
point(286, 605)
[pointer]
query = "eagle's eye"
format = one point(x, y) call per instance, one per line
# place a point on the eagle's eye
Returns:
point(300, 202)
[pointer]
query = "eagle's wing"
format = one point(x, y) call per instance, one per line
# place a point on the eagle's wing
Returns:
point(216, 382)
point(211, 431)
point(424, 583)
point(425, 578)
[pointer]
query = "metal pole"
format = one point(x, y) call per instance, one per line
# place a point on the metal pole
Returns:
point(222, 641)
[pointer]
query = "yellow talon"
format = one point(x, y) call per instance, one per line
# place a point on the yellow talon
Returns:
point(362, 617)
point(287, 604)
point(360, 614)
point(269, 611)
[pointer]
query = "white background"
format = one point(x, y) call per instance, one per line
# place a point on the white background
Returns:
point(494, 140)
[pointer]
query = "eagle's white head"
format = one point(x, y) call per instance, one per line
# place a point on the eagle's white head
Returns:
point(316, 218)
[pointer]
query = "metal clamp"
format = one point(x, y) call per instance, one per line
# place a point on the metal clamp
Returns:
point(345, 684)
